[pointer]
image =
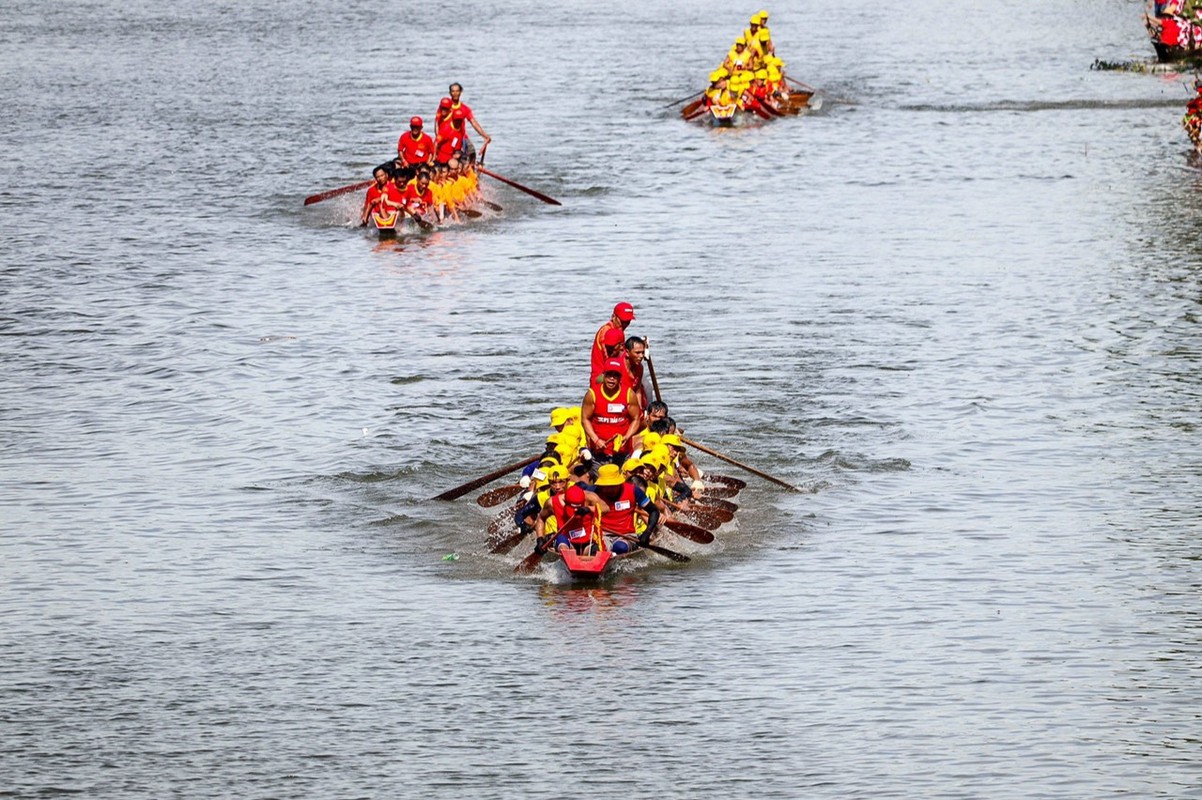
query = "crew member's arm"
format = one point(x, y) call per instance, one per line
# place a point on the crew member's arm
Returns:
point(586, 411)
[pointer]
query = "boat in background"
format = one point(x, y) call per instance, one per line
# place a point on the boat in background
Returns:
point(1175, 28)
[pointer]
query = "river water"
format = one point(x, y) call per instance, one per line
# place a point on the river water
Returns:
point(963, 308)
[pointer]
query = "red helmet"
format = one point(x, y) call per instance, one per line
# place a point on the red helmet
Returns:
point(574, 495)
point(459, 113)
point(444, 102)
point(416, 122)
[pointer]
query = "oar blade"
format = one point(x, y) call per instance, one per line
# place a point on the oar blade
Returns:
point(508, 543)
point(718, 492)
point(726, 480)
point(690, 532)
point(497, 496)
point(529, 563)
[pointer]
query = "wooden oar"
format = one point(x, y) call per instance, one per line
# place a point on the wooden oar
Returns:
point(317, 198)
point(483, 480)
point(738, 483)
point(491, 205)
point(654, 380)
point(718, 491)
point(508, 543)
point(421, 223)
point(692, 532)
point(698, 113)
point(706, 521)
point(519, 187)
point(741, 465)
point(692, 107)
point(714, 502)
point(497, 496)
point(683, 99)
point(528, 563)
point(654, 548)
point(470, 212)
point(504, 518)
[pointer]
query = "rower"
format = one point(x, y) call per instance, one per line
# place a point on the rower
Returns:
point(469, 150)
point(636, 349)
point(622, 316)
point(610, 416)
point(625, 502)
point(414, 149)
point(554, 481)
point(418, 198)
point(676, 448)
point(382, 196)
point(448, 146)
point(612, 342)
point(443, 114)
point(574, 512)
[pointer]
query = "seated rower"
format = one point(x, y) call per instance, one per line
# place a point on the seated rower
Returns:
point(624, 503)
point(681, 457)
point(576, 512)
point(414, 150)
point(418, 199)
point(383, 201)
point(554, 481)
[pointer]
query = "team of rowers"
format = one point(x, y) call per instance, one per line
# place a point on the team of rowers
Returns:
point(430, 176)
point(1192, 121)
point(751, 75)
point(616, 465)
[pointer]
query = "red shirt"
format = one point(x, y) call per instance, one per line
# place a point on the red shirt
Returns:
point(620, 517)
point(418, 202)
point(598, 357)
point(415, 151)
point(380, 200)
point(577, 526)
point(450, 142)
point(611, 413)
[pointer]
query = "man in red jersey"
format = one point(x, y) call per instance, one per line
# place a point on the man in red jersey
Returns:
point(443, 113)
point(414, 149)
point(417, 198)
point(636, 349)
point(576, 513)
point(469, 150)
point(612, 340)
point(622, 317)
point(382, 202)
point(625, 502)
point(610, 411)
point(449, 145)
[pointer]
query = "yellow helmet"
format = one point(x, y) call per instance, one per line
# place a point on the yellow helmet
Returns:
point(630, 465)
point(609, 475)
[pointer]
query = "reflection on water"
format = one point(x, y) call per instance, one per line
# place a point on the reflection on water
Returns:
point(607, 599)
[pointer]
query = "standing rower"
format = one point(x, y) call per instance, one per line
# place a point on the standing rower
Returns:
point(449, 144)
point(610, 414)
point(621, 318)
point(469, 150)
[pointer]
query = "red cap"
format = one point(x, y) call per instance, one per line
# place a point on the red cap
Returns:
point(444, 102)
point(614, 365)
point(416, 122)
point(459, 113)
point(574, 495)
point(624, 312)
point(612, 336)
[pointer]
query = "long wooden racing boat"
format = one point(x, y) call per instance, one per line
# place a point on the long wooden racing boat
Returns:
point(736, 115)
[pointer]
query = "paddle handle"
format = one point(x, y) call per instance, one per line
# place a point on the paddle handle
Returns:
point(317, 198)
point(740, 465)
point(549, 200)
point(460, 491)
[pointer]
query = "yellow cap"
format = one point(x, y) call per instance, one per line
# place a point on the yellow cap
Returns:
point(715, 76)
point(559, 416)
point(662, 454)
point(650, 440)
point(609, 475)
point(741, 40)
point(763, 17)
point(721, 71)
point(631, 465)
point(671, 439)
point(556, 472)
point(774, 74)
point(762, 74)
point(652, 460)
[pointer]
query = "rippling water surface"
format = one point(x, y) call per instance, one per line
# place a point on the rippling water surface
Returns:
point(963, 307)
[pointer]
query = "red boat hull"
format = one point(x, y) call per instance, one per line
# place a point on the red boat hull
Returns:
point(584, 566)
